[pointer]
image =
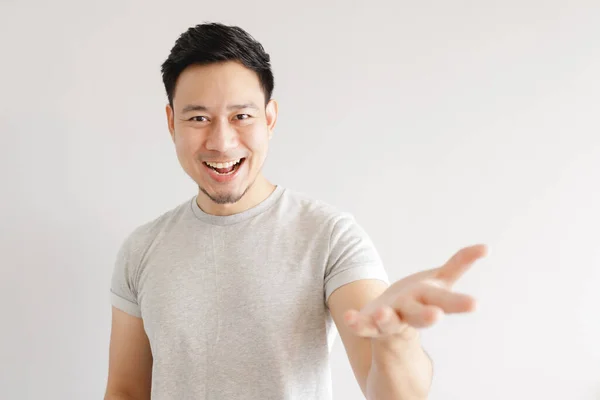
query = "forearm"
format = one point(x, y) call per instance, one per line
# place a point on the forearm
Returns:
point(400, 370)
point(120, 396)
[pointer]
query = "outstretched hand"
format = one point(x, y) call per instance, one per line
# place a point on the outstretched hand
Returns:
point(417, 301)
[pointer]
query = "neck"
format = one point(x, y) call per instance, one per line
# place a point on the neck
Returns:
point(260, 190)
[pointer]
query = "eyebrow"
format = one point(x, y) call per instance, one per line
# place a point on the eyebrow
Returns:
point(198, 107)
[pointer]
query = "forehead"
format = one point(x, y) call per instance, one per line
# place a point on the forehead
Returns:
point(217, 84)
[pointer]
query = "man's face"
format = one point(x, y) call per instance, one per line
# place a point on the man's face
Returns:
point(221, 128)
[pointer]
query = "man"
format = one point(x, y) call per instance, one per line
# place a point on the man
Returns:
point(238, 292)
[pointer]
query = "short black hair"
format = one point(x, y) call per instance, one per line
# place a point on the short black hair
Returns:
point(212, 43)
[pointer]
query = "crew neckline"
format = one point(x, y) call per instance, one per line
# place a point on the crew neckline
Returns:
point(239, 217)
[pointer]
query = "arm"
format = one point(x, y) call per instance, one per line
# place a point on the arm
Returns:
point(398, 368)
point(394, 372)
point(130, 359)
point(381, 372)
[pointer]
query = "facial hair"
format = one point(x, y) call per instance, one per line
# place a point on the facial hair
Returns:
point(228, 198)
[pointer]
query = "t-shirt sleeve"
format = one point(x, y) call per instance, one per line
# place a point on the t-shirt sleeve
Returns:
point(352, 256)
point(122, 291)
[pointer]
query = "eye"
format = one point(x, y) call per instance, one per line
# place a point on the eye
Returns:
point(242, 116)
point(199, 118)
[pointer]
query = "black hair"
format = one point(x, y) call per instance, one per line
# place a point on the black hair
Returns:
point(212, 43)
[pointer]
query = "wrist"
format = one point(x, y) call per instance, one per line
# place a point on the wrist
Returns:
point(400, 367)
point(396, 348)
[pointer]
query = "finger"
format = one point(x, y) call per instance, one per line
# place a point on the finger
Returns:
point(388, 322)
point(450, 302)
point(417, 314)
point(361, 324)
point(460, 263)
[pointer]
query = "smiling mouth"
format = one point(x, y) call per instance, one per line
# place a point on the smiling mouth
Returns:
point(226, 168)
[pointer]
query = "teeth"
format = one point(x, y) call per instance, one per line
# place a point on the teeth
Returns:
point(223, 165)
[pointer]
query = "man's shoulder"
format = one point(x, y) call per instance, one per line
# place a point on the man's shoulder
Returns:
point(146, 232)
point(305, 207)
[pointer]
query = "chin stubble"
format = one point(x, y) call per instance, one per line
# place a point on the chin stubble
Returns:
point(227, 198)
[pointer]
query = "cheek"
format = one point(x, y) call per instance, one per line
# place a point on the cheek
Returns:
point(256, 140)
point(187, 143)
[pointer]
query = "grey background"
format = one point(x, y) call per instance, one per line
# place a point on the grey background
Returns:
point(438, 124)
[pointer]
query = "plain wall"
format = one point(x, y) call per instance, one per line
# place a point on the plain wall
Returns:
point(439, 124)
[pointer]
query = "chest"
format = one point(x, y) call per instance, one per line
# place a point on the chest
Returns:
point(212, 289)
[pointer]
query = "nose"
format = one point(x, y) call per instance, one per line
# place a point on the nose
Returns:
point(221, 137)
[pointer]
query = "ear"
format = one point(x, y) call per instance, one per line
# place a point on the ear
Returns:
point(171, 121)
point(271, 111)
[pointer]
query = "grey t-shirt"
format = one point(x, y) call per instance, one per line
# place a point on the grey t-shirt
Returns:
point(235, 306)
